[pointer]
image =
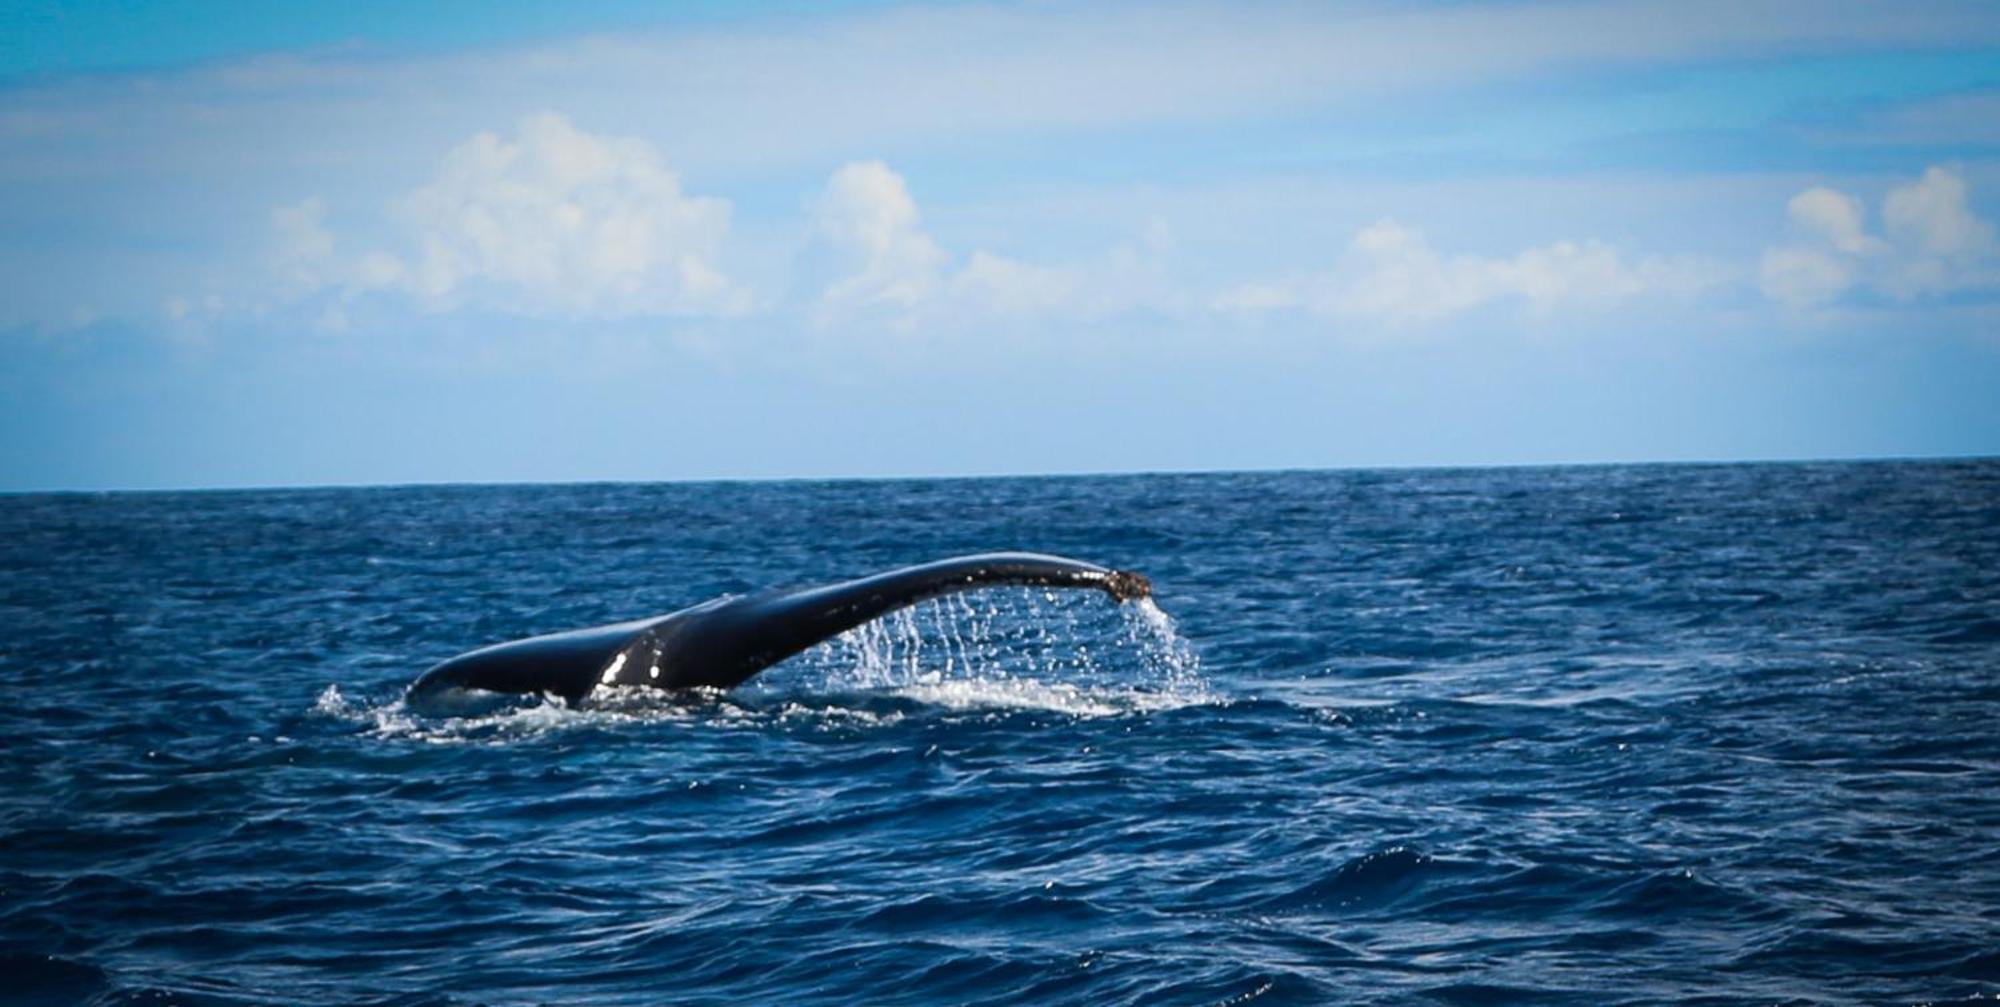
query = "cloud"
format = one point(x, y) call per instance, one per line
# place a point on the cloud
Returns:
point(1932, 216)
point(302, 247)
point(887, 267)
point(998, 285)
point(552, 222)
point(1932, 244)
point(166, 177)
point(1391, 275)
point(868, 220)
point(1800, 276)
point(1834, 216)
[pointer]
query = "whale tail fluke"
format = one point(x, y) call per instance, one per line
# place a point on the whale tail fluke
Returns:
point(721, 644)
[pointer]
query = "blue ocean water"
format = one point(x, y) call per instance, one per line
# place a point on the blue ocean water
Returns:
point(1635, 735)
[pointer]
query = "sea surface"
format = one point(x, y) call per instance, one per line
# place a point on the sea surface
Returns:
point(1597, 735)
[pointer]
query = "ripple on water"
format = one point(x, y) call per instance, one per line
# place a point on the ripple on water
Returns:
point(1663, 734)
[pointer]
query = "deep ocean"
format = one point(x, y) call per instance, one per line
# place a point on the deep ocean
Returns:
point(1661, 734)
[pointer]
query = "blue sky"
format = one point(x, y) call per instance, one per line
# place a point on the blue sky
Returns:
point(299, 244)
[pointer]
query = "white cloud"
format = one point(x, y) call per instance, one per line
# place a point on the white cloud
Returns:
point(888, 267)
point(303, 249)
point(1932, 216)
point(1933, 243)
point(554, 222)
point(1396, 276)
point(1392, 275)
point(998, 285)
point(143, 161)
point(1802, 276)
point(1129, 277)
point(1258, 298)
point(1835, 216)
point(867, 218)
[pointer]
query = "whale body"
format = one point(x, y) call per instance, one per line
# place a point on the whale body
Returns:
point(722, 643)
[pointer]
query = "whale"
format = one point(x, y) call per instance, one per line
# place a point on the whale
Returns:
point(721, 643)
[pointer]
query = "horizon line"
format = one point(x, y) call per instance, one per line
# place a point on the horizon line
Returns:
point(975, 476)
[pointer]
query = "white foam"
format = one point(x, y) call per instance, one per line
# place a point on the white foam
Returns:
point(504, 718)
point(1052, 697)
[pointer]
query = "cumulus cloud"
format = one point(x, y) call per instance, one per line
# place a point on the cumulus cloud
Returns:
point(886, 266)
point(302, 249)
point(1002, 286)
point(1931, 215)
point(1932, 243)
point(1800, 276)
point(868, 219)
point(1391, 274)
point(1834, 216)
point(553, 221)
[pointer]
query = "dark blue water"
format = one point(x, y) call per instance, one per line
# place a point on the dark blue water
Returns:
point(1655, 734)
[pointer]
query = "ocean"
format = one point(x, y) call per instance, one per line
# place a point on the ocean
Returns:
point(1659, 734)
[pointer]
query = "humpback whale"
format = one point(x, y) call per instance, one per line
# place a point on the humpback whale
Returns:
point(723, 642)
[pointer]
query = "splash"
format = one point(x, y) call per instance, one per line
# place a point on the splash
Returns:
point(1004, 649)
point(1170, 657)
point(512, 718)
point(975, 694)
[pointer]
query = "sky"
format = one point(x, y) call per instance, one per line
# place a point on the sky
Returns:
point(302, 244)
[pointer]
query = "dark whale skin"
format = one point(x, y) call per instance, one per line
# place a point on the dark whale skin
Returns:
point(722, 643)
